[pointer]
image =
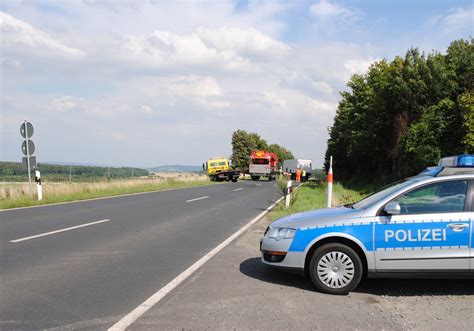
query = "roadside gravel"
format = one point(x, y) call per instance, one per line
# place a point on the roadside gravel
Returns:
point(236, 291)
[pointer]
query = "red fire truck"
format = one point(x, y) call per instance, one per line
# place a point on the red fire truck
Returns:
point(263, 163)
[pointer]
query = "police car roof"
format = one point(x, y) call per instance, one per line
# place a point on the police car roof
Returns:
point(453, 165)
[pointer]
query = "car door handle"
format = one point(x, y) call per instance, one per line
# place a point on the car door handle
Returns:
point(458, 227)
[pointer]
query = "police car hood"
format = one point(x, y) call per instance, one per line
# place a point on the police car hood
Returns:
point(317, 216)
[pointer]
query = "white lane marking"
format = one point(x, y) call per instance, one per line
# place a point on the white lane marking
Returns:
point(238, 189)
point(111, 197)
point(135, 314)
point(258, 184)
point(204, 197)
point(58, 231)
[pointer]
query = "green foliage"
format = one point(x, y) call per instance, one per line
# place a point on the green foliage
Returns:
point(281, 152)
point(243, 143)
point(257, 141)
point(402, 116)
point(13, 171)
point(242, 146)
point(466, 102)
point(311, 196)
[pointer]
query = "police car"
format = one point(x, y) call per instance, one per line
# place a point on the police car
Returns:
point(420, 226)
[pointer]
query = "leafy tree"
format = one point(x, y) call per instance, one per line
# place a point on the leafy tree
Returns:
point(243, 143)
point(466, 102)
point(281, 152)
point(258, 142)
point(403, 115)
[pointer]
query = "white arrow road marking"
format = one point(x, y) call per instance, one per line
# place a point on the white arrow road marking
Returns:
point(238, 189)
point(58, 231)
point(205, 197)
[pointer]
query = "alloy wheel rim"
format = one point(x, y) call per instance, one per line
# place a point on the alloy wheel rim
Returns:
point(335, 269)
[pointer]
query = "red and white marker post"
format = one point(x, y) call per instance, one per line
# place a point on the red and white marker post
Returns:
point(329, 196)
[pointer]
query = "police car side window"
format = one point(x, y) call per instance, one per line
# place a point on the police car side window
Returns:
point(443, 197)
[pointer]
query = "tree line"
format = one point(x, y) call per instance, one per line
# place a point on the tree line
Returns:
point(14, 170)
point(404, 115)
point(243, 143)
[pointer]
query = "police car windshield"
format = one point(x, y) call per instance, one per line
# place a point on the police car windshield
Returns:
point(384, 192)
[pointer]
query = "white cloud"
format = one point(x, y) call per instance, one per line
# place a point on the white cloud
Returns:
point(23, 37)
point(456, 19)
point(119, 137)
point(147, 109)
point(226, 48)
point(64, 104)
point(325, 9)
point(323, 87)
point(359, 66)
point(206, 87)
point(331, 17)
point(164, 48)
point(247, 43)
point(140, 85)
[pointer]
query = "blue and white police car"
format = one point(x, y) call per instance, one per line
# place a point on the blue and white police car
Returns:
point(420, 226)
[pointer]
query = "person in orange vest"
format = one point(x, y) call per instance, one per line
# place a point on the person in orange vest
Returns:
point(298, 175)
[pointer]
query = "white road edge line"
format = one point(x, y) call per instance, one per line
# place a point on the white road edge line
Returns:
point(258, 184)
point(103, 198)
point(58, 231)
point(238, 189)
point(135, 314)
point(204, 197)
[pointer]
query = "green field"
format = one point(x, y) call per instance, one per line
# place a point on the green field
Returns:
point(312, 195)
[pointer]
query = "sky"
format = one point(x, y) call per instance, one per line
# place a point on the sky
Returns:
point(146, 83)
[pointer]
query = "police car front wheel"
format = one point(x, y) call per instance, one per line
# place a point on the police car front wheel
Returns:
point(335, 268)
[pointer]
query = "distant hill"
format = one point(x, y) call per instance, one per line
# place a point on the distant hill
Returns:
point(176, 168)
point(81, 164)
point(13, 171)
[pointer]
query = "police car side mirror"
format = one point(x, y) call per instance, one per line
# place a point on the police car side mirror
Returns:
point(392, 208)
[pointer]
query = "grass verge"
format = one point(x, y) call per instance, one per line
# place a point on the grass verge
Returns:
point(16, 195)
point(312, 195)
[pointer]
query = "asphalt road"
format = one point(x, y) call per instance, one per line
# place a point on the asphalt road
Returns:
point(90, 276)
point(263, 298)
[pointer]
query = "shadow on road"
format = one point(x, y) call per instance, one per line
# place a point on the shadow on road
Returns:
point(417, 287)
point(254, 268)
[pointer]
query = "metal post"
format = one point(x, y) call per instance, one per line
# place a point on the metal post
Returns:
point(28, 158)
point(329, 197)
point(70, 174)
point(288, 194)
point(39, 188)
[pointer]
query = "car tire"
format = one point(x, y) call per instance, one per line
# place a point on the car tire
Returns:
point(335, 269)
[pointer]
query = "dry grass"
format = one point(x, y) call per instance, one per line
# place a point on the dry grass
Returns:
point(16, 194)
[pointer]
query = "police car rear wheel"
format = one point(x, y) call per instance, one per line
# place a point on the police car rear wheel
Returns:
point(335, 269)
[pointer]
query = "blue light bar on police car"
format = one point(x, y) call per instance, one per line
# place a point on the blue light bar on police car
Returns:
point(464, 160)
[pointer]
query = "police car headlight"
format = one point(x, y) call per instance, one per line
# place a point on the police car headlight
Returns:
point(281, 233)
